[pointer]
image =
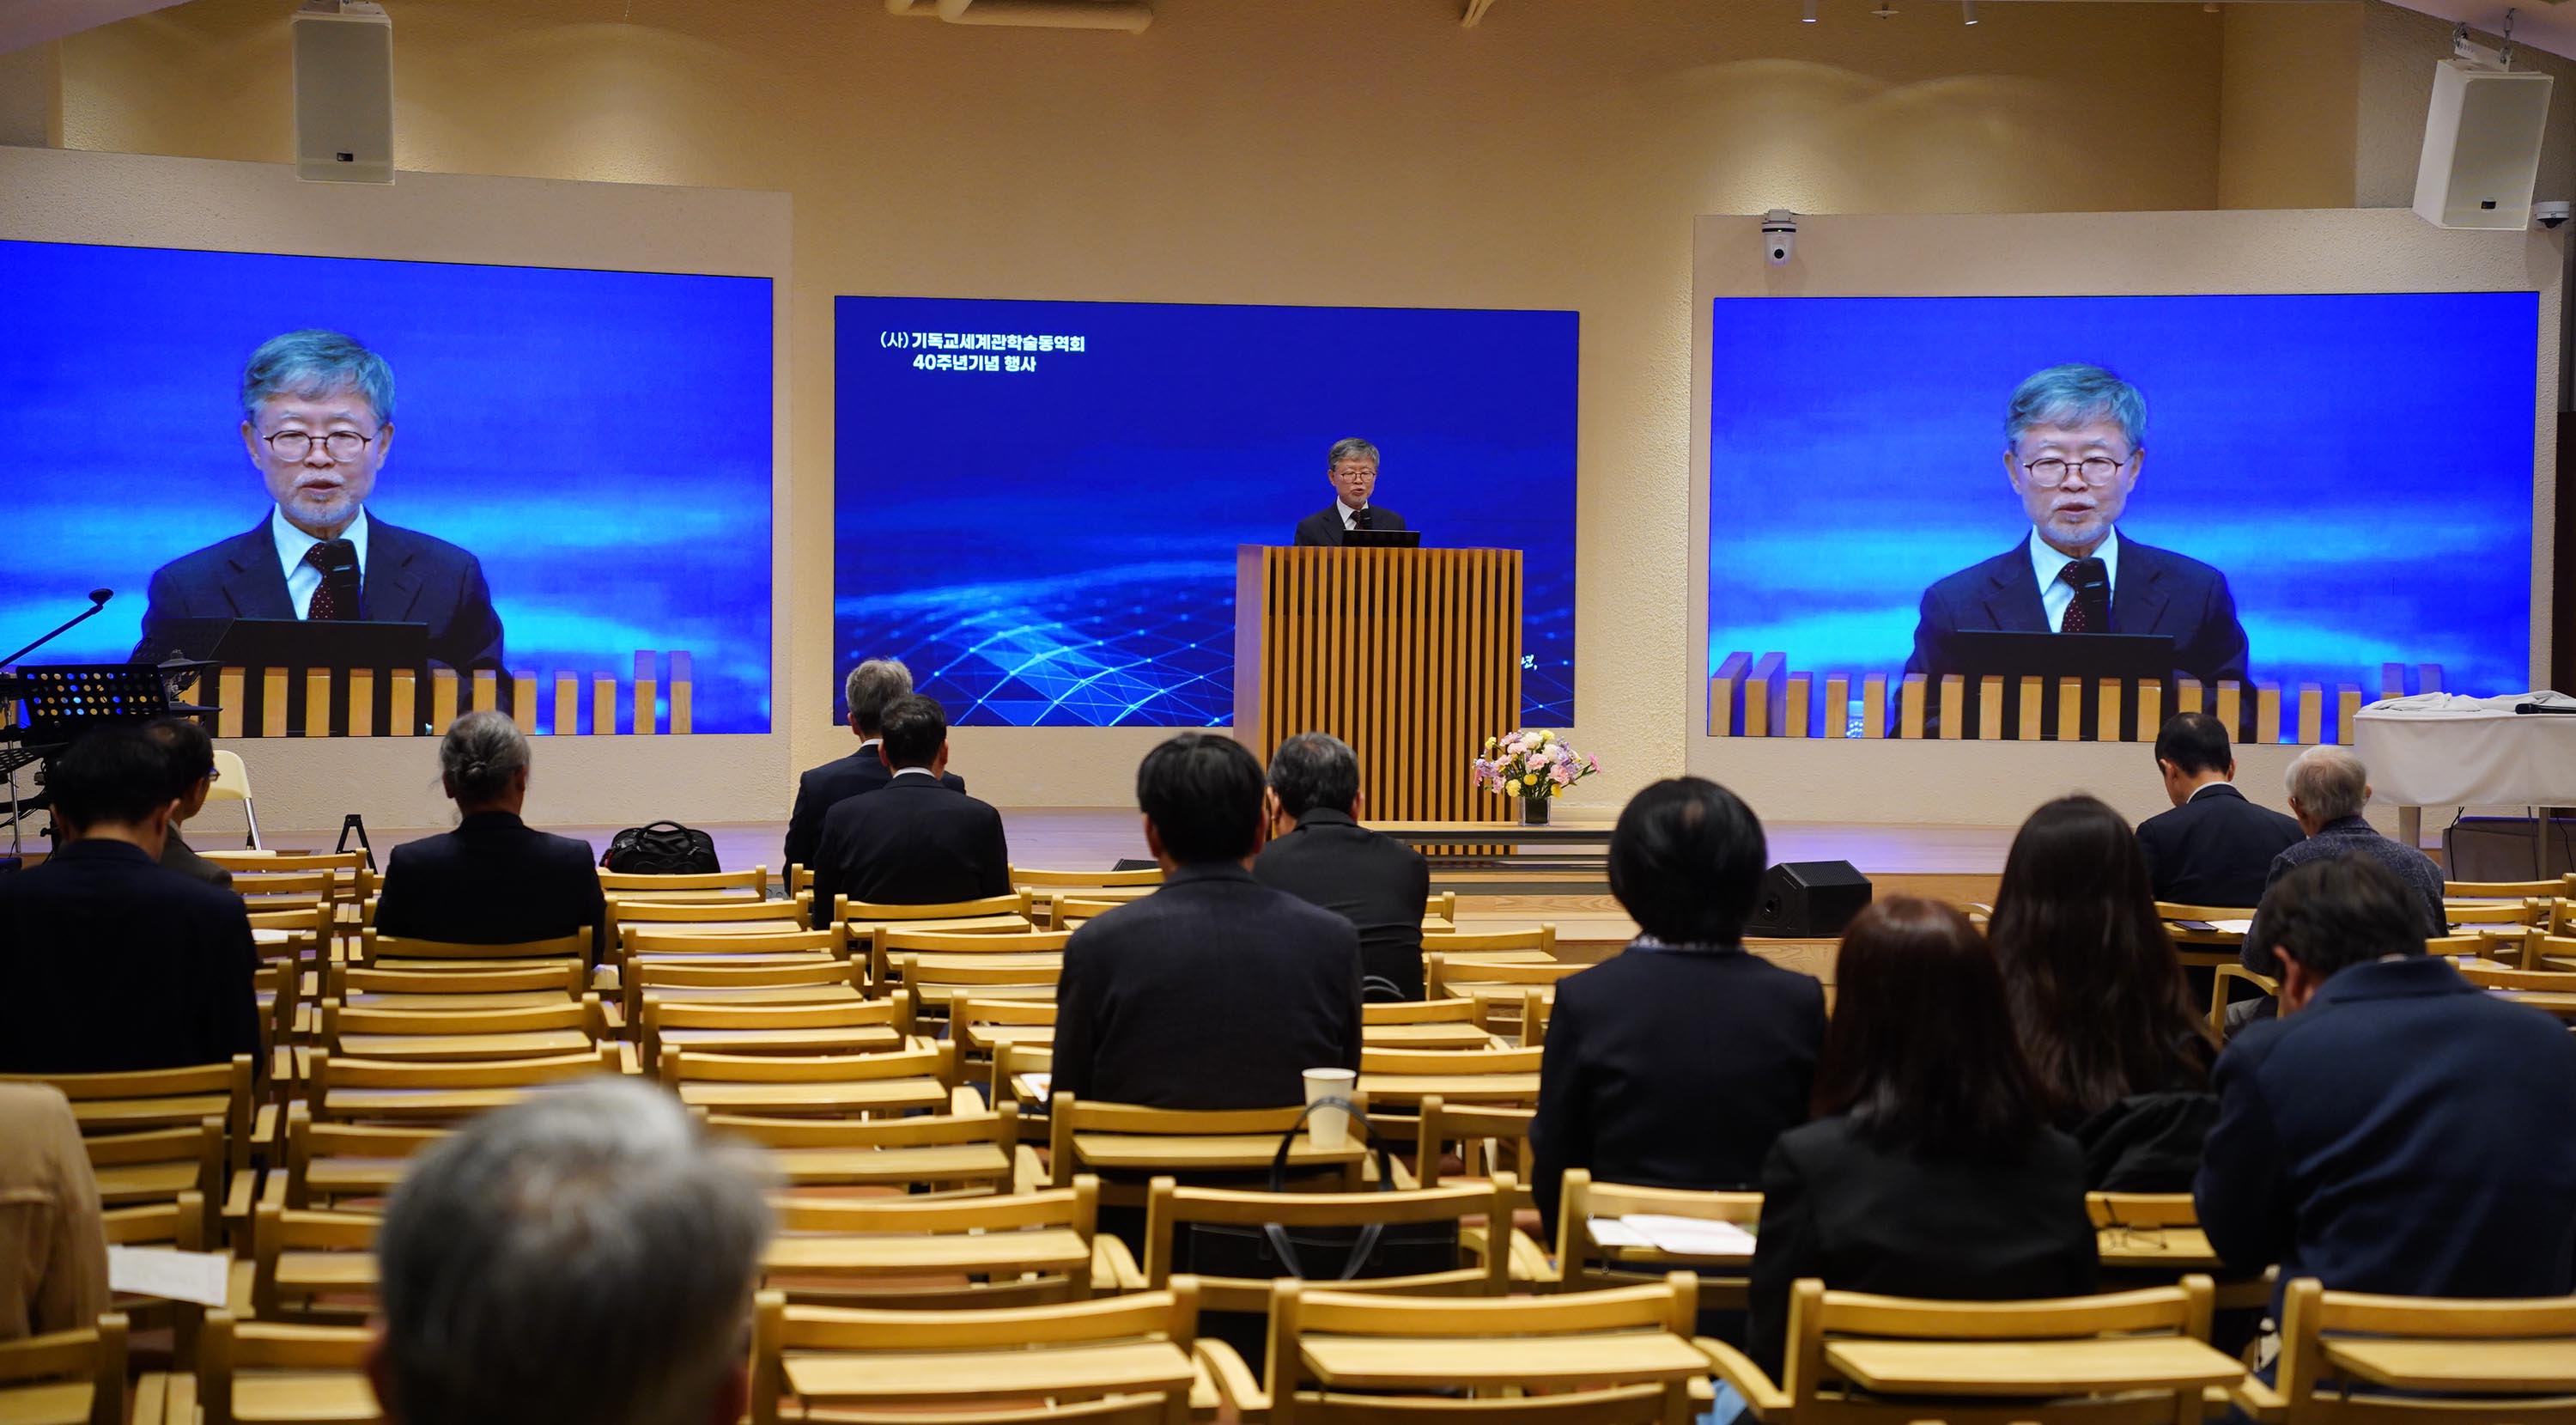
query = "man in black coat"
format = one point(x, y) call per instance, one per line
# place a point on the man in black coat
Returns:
point(1676, 1062)
point(1216, 991)
point(113, 963)
point(867, 690)
point(916, 841)
point(1375, 882)
point(494, 880)
point(2215, 848)
point(192, 763)
point(1351, 466)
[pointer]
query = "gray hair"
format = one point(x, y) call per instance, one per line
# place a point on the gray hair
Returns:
point(583, 1257)
point(870, 687)
point(1350, 447)
point(312, 364)
point(1314, 769)
point(482, 751)
point(2074, 394)
point(2328, 783)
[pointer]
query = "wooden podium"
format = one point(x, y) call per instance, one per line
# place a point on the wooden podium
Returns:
point(1412, 656)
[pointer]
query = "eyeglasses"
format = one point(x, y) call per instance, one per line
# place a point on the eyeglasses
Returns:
point(2097, 469)
point(1347, 472)
point(293, 445)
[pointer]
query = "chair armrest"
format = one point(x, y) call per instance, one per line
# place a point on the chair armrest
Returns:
point(1235, 1387)
point(1113, 1267)
point(630, 1058)
point(152, 1398)
point(2256, 1397)
point(1750, 1381)
point(964, 1099)
point(1530, 1262)
point(263, 1126)
point(1028, 1171)
point(244, 1190)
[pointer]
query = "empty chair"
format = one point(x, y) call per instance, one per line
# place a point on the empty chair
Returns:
point(1133, 1143)
point(1492, 984)
point(861, 1027)
point(932, 983)
point(955, 1154)
point(536, 985)
point(2348, 1356)
point(748, 884)
point(1399, 1079)
point(66, 1376)
point(429, 1092)
point(279, 1374)
point(377, 950)
point(784, 979)
point(328, 1164)
point(980, 1252)
point(462, 1035)
point(1585, 1260)
point(1424, 1024)
point(1037, 949)
point(232, 784)
point(805, 1086)
point(1421, 1243)
point(316, 1267)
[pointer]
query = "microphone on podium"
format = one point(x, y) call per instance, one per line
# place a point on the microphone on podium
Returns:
point(1360, 518)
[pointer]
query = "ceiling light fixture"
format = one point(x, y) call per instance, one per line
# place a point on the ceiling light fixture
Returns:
point(1808, 16)
point(1967, 12)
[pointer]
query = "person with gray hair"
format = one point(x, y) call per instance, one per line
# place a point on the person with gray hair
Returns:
point(494, 880)
point(317, 424)
point(867, 692)
point(2328, 788)
point(584, 1257)
point(1319, 853)
point(1351, 468)
point(2075, 440)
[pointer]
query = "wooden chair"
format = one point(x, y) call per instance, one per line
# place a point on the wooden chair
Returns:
point(315, 1267)
point(1529, 945)
point(2496, 913)
point(966, 1153)
point(66, 1376)
point(982, 1025)
point(404, 1092)
point(2139, 1232)
point(1022, 1073)
point(931, 983)
point(162, 1167)
point(463, 1035)
point(2227, 973)
point(270, 880)
point(2131, 1357)
point(1538, 1007)
point(1033, 877)
point(750, 884)
point(626, 918)
point(534, 986)
point(842, 1027)
point(1069, 911)
point(180, 1225)
point(656, 943)
point(1008, 914)
point(329, 1164)
point(1493, 1144)
point(783, 979)
point(2347, 1356)
point(1017, 1249)
point(1478, 1270)
point(1424, 1024)
point(1492, 983)
point(831, 1085)
point(1037, 949)
point(1399, 1079)
point(2505, 890)
point(1136, 1355)
point(2202, 949)
point(378, 951)
point(144, 1100)
point(1135, 1143)
point(1336, 1357)
point(1584, 1263)
point(280, 1374)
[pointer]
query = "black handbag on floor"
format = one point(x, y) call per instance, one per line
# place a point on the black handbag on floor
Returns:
point(1332, 1254)
point(664, 848)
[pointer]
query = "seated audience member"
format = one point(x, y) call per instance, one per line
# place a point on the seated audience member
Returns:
point(1931, 1169)
point(918, 841)
point(1375, 882)
point(1678, 1061)
point(867, 690)
point(110, 961)
point(192, 762)
point(1216, 991)
point(53, 1251)
point(586, 1257)
point(2097, 998)
point(494, 880)
point(2215, 848)
point(2396, 1129)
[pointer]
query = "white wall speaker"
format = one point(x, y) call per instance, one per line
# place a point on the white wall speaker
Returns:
point(2481, 146)
point(344, 92)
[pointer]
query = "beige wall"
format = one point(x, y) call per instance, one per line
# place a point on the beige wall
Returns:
point(2288, 101)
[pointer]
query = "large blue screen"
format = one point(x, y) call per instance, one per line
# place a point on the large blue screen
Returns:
point(1038, 509)
point(2359, 467)
point(599, 440)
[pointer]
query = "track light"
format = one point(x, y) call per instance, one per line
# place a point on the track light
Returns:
point(1809, 14)
point(1968, 12)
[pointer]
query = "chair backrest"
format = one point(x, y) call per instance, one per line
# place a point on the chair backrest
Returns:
point(950, 1153)
point(1171, 1209)
point(1072, 908)
point(133, 1100)
point(933, 984)
point(282, 1374)
point(543, 982)
point(1394, 1079)
point(1584, 1262)
point(283, 890)
point(846, 910)
point(2483, 912)
point(346, 1090)
point(1033, 876)
point(1428, 1011)
point(458, 1035)
point(890, 945)
point(1472, 1127)
point(729, 917)
point(2544, 981)
point(1468, 944)
point(834, 1027)
point(2141, 1209)
point(750, 883)
point(830, 1085)
point(160, 1166)
point(295, 932)
point(232, 778)
point(329, 1163)
point(2429, 1359)
point(1011, 1062)
point(2516, 890)
point(658, 941)
point(312, 1266)
point(83, 1370)
point(1258, 1129)
point(2177, 910)
point(339, 876)
point(818, 979)
point(1014, 1249)
point(377, 950)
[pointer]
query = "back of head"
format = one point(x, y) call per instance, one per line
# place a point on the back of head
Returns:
point(111, 776)
point(1686, 861)
point(914, 728)
point(192, 752)
point(1921, 1047)
point(1202, 792)
point(871, 686)
point(2329, 783)
point(2342, 911)
point(2096, 989)
point(482, 751)
point(585, 1257)
point(1315, 769)
point(2194, 742)
point(314, 363)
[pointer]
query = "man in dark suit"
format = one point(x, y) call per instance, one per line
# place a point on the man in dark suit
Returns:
point(2215, 848)
point(1646, 1044)
point(317, 421)
point(113, 963)
point(1327, 858)
point(1351, 466)
point(2397, 1129)
point(1216, 991)
point(916, 841)
point(192, 765)
point(2075, 440)
point(867, 690)
point(494, 880)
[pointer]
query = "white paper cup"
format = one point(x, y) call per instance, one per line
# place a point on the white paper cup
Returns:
point(1330, 1127)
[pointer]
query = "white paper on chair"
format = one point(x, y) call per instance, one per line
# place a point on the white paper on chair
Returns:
point(2232, 927)
point(1691, 1236)
point(1612, 1232)
point(166, 1272)
point(1041, 1084)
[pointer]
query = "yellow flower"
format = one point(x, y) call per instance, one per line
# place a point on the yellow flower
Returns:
point(1513, 786)
point(1556, 791)
point(1545, 737)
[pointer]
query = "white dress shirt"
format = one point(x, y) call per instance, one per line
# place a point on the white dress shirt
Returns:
point(293, 544)
point(916, 772)
point(2047, 561)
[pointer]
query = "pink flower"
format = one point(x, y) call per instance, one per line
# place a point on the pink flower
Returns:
point(1562, 775)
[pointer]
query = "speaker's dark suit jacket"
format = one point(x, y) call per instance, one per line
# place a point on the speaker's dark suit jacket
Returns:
point(2158, 591)
point(1325, 525)
point(1375, 882)
point(177, 855)
point(410, 578)
point(1213, 992)
point(1674, 1068)
point(827, 786)
point(2215, 849)
point(2404, 1133)
point(1868, 1216)
point(494, 880)
point(912, 842)
point(113, 963)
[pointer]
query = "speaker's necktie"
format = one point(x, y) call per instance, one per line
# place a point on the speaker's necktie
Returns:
point(336, 597)
point(2090, 610)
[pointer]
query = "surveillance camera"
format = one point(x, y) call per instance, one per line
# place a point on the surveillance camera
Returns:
point(1780, 235)
point(2550, 215)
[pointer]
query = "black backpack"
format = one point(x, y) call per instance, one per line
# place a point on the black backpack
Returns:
point(664, 848)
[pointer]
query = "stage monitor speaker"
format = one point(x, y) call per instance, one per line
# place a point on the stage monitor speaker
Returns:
point(2481, 146)
point(1803, 900)
point(344, 92)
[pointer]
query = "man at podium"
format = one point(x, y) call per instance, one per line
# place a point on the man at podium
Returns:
point(1351, 466)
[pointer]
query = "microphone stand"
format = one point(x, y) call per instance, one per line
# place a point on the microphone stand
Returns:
point(66, 627)
point(9, 698)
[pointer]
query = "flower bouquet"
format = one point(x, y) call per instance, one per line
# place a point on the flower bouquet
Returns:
point(1533, 766)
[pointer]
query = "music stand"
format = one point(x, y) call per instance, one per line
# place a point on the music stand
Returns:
point(60, 703)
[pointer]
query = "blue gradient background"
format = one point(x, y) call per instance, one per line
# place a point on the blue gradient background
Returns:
point(601, 440)
point(1057, 548)
point(2360, 467)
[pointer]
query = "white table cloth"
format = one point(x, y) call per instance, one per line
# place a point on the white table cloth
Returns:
point(2440, 749)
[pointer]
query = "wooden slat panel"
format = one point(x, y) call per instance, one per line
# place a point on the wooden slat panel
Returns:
point(362, 702)
point(2029, 729)
point(2187, 696)
point(2267, 712)
point(2347, 707)
point(1954, 705)
point(1909, 705)
point(2231, 706)
point(2108, 698)
point(523, 702)
point(1837, 704)
point(2312, 714)
point(2151, 710)
point(603, 704)
point(231, 688)
point(1990, 708)
point(272, 702)
point(567, 704)
point(2428, 677)
point(1797, 721)
point(1722, 689)
point(2070, 710)
point(648, 697)
point(1762, 694)
point(442, 700)
point(2392, 680)
point(684, 694)
point(487, 689)
point(317, 702)
point(404, 715)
